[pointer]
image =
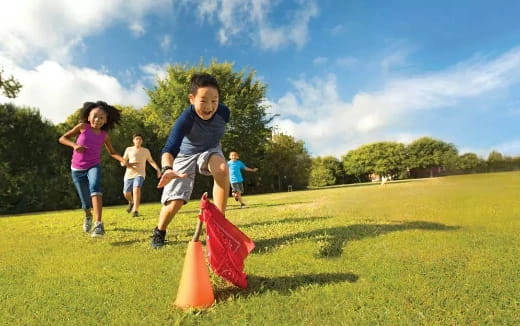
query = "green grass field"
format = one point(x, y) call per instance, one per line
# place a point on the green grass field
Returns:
point(441, 251)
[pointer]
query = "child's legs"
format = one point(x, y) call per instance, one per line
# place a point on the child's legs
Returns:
point(80, 179)
point(217, 165)
point(127, 189)
point(177, 192)
point(138, 183)
point(94, 180)
point(237, 189)
point(167, 213)
point(239, 192)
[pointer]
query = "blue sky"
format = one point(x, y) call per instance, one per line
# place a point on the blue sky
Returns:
point(340, 74)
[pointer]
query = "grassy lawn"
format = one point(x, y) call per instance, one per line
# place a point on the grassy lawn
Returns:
point(441, 251)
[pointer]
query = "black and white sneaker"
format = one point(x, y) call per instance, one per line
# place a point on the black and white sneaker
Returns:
point(99, 230)
point(158, 238)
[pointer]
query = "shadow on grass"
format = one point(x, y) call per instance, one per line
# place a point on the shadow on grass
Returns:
point(331, 240)
point(285, 220)
point(284, 285)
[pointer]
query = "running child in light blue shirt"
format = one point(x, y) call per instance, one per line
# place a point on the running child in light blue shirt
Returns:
point(235, 176)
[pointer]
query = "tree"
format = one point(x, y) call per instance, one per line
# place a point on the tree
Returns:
point(381, 158)
point(326, 171)
point(431, 155)
point(40, 180)
point(470, 162)
point(320, 175)
point(286, 162)
point(247, 131)
point(10, 86)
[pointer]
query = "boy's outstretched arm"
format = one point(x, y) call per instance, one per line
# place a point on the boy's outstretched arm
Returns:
point(168, 174)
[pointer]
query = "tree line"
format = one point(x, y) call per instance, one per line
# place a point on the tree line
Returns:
point(35, 168)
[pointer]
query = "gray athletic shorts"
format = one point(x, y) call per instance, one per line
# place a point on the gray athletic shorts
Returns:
point(181, 188)
point(237, 186)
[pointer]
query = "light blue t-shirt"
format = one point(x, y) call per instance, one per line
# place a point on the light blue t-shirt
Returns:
point(235, 171)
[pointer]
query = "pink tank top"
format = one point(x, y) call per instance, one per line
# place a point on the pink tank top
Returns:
point(92, 155)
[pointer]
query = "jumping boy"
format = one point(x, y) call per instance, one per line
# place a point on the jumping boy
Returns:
point(193, 144)
point(235, 176)
point(134, 176)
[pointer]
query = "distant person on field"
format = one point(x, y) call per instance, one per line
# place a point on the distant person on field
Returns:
point(235, 176)
point(87, 139)
point(134, 176)
point(193, 145)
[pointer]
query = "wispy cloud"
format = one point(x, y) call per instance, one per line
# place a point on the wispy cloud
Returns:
point(314, 111)
point(253, 19)
point(165, 42)
point(320, 60)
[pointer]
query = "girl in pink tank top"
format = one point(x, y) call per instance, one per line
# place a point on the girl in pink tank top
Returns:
point(87, 139)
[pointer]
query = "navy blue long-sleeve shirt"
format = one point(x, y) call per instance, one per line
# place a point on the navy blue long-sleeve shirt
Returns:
point(191, 135)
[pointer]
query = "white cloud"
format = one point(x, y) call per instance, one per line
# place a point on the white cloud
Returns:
point(315, 113)
point(57, 90)
point(320, 60)
point(165, 42)
point(35, 30)
point(137, 29)
point(154, 71)
point(251, 18)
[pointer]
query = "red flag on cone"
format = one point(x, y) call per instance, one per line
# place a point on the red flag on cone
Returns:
point(226, 245)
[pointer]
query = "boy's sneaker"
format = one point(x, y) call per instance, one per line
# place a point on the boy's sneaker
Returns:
point(135, 214)
point(242, 205)
point(87, 223)
point(158, 238)
point(99, 230)
point(129, 208)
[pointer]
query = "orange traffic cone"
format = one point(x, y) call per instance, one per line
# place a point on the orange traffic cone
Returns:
point(195, 287)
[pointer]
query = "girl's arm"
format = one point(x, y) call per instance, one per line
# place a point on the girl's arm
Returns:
point(115, 155)
point(66, 138)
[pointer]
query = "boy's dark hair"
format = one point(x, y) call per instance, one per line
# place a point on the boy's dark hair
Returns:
point(202, 80)
point(137, 135)
point(113, 114)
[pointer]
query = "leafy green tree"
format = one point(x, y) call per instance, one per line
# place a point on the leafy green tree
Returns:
point(320, 175)
point(9, 86)
point(431, 155)
point(355, 163)
point(286, 162)
point(381, 158)
point(470, 162)
point(326, 171)
point(32, 176)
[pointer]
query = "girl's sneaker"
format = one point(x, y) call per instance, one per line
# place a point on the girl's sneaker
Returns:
point(87, 223)
point(99, 230)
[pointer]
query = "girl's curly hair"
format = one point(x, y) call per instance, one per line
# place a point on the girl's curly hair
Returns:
point(113, 114)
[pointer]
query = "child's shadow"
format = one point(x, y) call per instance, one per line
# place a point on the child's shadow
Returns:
point(331, 240)
point(284, 285)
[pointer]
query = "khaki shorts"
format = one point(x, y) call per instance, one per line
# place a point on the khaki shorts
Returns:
point(181, 188)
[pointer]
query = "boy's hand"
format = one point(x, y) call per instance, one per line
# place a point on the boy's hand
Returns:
point(255, 169)
point(168, 176)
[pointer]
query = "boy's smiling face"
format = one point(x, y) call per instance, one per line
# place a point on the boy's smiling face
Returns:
point(205, 102)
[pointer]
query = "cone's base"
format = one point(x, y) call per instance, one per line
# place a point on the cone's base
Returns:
point(195, 289)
